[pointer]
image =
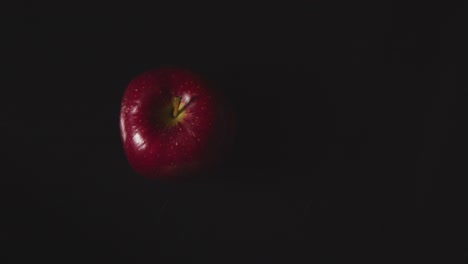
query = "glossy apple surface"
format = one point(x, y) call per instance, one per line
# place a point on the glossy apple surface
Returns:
point(173, 124)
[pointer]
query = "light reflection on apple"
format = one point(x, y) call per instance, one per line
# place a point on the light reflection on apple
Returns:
point(122, 129)
point(139, 142)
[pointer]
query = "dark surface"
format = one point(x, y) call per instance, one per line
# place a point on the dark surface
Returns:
point(350, 145)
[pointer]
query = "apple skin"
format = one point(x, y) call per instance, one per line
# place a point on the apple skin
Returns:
point(161, 146)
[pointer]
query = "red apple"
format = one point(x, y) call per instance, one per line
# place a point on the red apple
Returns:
point(174, 124)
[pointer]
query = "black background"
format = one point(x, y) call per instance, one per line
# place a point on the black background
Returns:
point(350, 144)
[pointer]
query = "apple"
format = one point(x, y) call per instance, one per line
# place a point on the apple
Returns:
point(174, 124)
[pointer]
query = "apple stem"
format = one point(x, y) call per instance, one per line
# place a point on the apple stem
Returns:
point(176, 104)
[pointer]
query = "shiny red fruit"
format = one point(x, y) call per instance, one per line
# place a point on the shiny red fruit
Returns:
point(173, 124)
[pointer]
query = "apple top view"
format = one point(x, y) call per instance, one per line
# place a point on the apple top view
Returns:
point(173, 124)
